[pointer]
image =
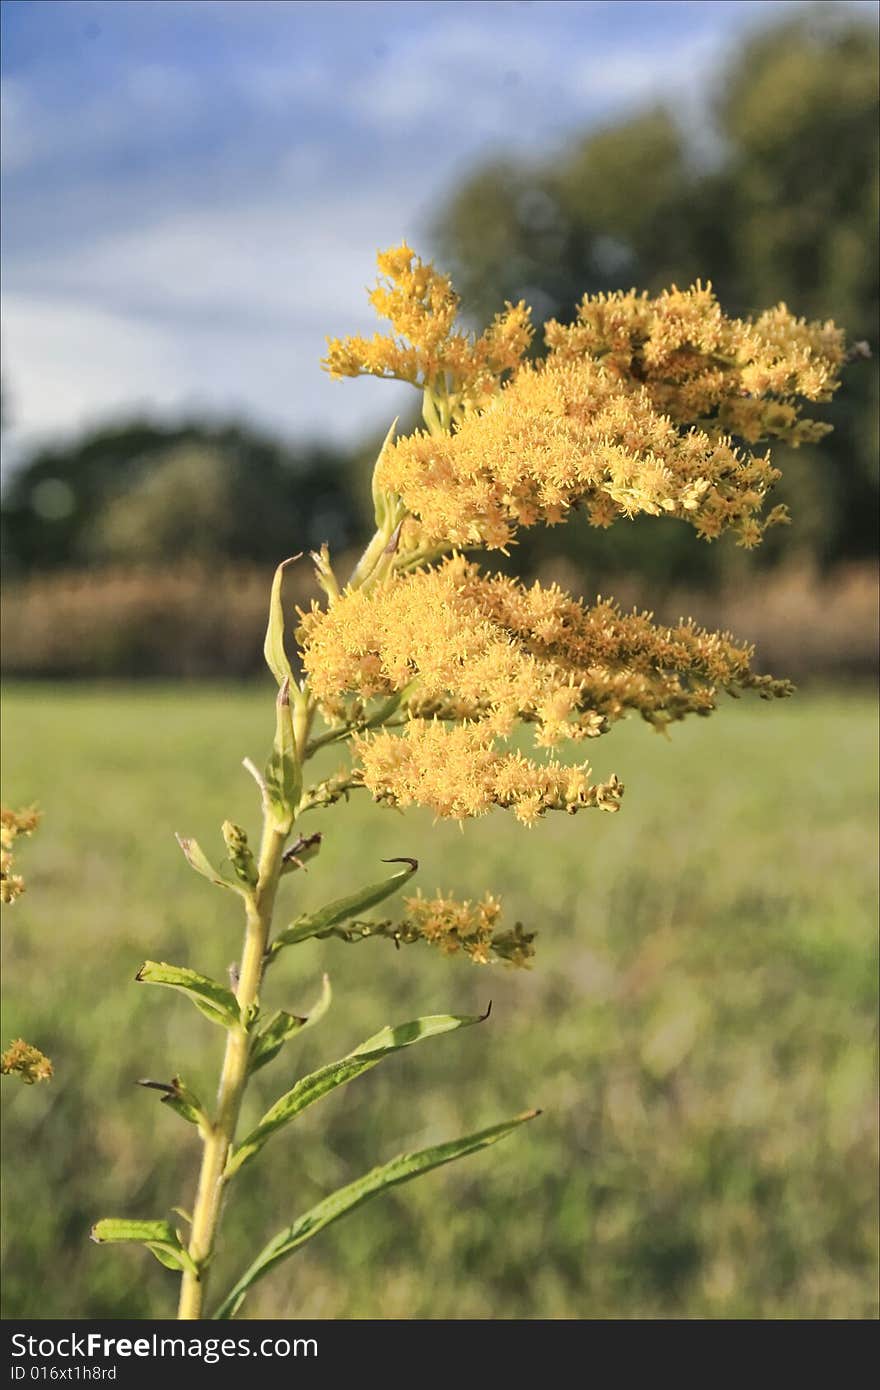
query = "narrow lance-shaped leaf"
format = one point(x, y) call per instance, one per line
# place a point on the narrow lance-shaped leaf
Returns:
point(319, 1083)
point(283, 775)
point(283, 1026)
point(273, 647)
point(314, 923)
point(214, 1000)
point(198, 860)
point(159, 1237)
point(380, 498)
point(401, 1169)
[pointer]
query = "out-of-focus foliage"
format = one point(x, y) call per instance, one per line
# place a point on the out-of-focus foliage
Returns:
point(776, 200)
point(182, 619)
point(147, 493)
point(208, 620)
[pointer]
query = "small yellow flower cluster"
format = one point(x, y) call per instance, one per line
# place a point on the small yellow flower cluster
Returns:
point(452, 925)
point(734, 376)
point(457, 771)
point(492, 651)
point(27, 1062)
point(456, 925)
point(12, 825)
point(422, 308)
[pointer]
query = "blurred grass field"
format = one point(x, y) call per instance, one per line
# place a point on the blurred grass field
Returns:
point(699, 1026)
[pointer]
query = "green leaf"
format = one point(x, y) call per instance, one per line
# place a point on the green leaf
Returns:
point(283, 775)
point(400, 1169)
point(282, 1026)
point(179, 1098)
point(178, 1260)
point(159, 1237)
point(273, 647)
point(380, 498)
point(198, 860)
point(268, 1043)
point(319, 1083)
point(215, 1001)
point(326, 918)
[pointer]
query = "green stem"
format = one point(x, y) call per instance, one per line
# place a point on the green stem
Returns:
point(209, 1195)
point(233, 1078)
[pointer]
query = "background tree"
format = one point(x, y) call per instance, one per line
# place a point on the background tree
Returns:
point(147, 492)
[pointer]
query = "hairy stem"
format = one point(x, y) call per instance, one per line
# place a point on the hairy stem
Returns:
point(209, 1194)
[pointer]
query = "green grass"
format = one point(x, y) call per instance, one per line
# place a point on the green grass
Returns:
point(698, 1027)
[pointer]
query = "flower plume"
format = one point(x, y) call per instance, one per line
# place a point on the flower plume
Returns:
point(474, 656)
point(660, 405)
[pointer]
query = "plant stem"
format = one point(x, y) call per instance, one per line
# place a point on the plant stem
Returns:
point(233, 1078)
point(209, 1195)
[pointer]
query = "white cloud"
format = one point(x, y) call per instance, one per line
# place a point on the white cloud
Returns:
point(217, 309)
point(468, 82)
point(161, 90)
point(69, 365)
point(461, 74)
point(275, 85)
point(293, 256)
point(224, 308)
point(157, 289)
point(632, 76)
point(17, 141)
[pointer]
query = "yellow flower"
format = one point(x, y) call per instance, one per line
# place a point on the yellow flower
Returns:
point(491, 651)
point(12, 825)
point(27, 1062)
point(567, 433)
point(456, 771)
point(643, 405)
point(425, 347)
point(636, 408)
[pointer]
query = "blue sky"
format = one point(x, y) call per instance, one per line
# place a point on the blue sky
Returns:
point(193, 193)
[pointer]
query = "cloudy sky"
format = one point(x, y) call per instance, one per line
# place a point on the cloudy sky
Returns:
point(193, 192)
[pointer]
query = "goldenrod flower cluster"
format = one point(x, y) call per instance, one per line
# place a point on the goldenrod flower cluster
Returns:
point(25, 1061)
point(737, 376)
point(20, 1058)
point(12, 825)
point(475, 655)
point(428, 350)
point(642, 405)
point(637, 408)
point(457, 771)
point(565, 434)
point(454, 925)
